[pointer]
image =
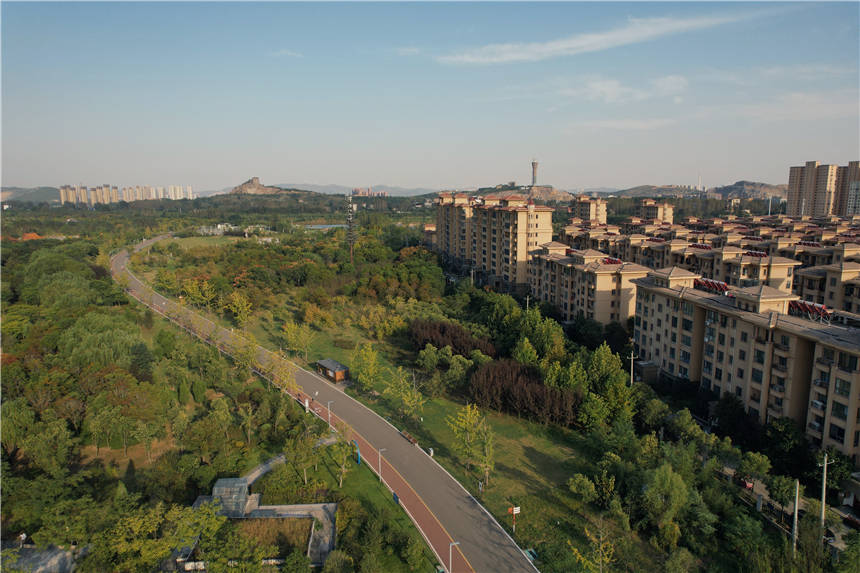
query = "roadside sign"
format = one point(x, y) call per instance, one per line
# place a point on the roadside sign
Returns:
point(516, 510)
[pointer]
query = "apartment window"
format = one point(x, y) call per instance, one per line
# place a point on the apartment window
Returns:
point(842, 387)
point(732, 341)
point(687, 324)
point(685, 356)
point(739, 392)
point(718, 373)
point(744, 336)
point(847, 362)
point(720, 355)
point(674, 337)
point(837, 433)
point(827, 353)
point(682, 371)
point(833, 281)
point(674, 322)
point(756, 375)
point(742, 354)
point(839, 410)
point(687, 308)
point(740, 372)
point(784, 340)
point(759, 356)
point(721, 338)
point(707, 367)
point(671, 353)
point(709, 350)
point(685, 339)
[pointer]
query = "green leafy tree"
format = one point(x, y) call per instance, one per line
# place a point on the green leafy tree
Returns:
point(665, 495)
point(754, 466)
point(17, 420)
point(465, 427)
point(238, 305)
point(602, 550)
point(781, 489)
point(365, 369)
point(849, 559)
point(525, 353)
point(582, 487)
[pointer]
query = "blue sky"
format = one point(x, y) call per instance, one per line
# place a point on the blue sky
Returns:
point(433, 95)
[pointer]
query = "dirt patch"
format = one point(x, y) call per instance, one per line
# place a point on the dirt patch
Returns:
point(285, 534)
point(136, 453)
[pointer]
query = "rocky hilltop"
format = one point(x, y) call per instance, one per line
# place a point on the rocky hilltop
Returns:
point(752, 190)
point(543, 193)
point(253, 187)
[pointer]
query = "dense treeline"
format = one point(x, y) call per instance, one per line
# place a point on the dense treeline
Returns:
point(508, 386)
point(113, 422)
point(440, 334)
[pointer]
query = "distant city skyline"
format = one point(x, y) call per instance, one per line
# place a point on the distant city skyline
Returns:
point(428, 95)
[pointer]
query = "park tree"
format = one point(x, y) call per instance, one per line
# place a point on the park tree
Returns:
point(665, 495)
point(781, 489)
point(247, 421)
point(17, 420)
point(601, 552)
point(464, 425)
point(48, 446)
point(365, 368)
point(486, 440)
point(238, 305)
point(754, 466)
point(342, 453)
point(525, 353)
point(582, 487)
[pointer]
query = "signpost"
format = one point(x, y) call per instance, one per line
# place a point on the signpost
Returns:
point(514, 510)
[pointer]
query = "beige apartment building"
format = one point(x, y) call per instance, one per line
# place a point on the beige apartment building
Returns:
point(584, 283)
point(589, 209)
point(651, 210)
point(781, 357)
point(823, 190)
point(836, 285)
point(492, 236)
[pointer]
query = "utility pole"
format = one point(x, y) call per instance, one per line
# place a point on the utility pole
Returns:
point(527, 302)
point(350, 227)
point(794, 527)
point(632, 357)
point(824, 488)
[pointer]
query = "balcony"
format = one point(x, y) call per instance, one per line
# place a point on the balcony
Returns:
point(824, 361)
point(780, 367)
point(817, 405)
point(780, 346)
point(814, 426)
point(821, 383)
point(775, 410)
point(777, 389)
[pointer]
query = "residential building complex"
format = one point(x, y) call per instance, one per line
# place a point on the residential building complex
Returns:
point(780, 356)
point(820, 190)
point(584, 283)
point(492, 236)
point(589, 210)
point(105, 194)
point(651, 210)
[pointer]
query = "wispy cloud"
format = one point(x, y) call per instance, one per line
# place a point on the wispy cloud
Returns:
point(287, 54)
point(614, 91)
point(805, 106)
point(635, 31)
point(630, 124)
point(408, 51)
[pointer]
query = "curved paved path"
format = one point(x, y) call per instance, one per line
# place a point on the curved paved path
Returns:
point(439, 506)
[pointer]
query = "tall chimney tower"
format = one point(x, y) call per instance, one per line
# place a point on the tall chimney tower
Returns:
point(534, 172)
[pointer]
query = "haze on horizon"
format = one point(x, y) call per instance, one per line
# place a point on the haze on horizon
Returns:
point(426, 95)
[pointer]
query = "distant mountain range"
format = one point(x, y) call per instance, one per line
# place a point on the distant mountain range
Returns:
point(739, 190)
point(332, 189)
point(30, 195)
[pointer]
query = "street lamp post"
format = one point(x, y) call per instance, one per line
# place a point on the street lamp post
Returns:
point(451, 555)
point(328, 407)
point(824, 487)
point(380, 462)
